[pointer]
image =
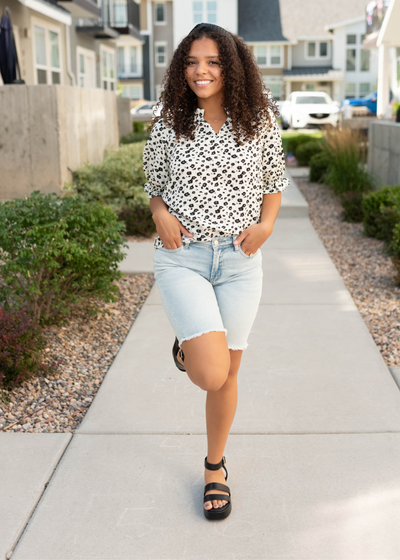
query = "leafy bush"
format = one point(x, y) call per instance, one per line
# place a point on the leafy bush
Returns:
point(133, 137)
point(56, 252)
point(381, 210)
point(318, 167)
point(138, 220)
point(21, 344)
point(304, 152)
point(347, 153)
point(395, 249)
point(351, 203)
point(295, 141)
point(117, 181)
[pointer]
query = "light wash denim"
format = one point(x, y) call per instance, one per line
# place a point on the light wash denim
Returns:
point(208, 286)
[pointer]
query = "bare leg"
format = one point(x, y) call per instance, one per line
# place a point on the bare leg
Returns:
point(220, 412)
point(213, 367)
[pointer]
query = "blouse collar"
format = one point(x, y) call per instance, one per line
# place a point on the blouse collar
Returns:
point(199, 113)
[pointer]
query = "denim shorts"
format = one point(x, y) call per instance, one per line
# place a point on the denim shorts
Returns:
point(208, 286)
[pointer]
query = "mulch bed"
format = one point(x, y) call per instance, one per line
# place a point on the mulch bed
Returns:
point(368, 273)
point(81, 350)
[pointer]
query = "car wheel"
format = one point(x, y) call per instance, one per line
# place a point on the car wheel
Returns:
point(285, 125)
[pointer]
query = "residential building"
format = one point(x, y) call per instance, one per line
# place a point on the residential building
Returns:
point(325, 48)
point(262, 30)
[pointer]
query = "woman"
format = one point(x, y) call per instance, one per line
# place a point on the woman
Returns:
point(214, 165)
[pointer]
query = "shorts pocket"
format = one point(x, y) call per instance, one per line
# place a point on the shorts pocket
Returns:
point(248, 256)
point(171, 250)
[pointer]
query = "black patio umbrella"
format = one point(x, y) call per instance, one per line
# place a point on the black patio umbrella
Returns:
point(8, 52)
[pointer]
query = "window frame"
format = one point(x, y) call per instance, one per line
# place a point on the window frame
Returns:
point(205, 12)
point(47, 67)
point(158, 64)
point(318, 50)
point(108, 79)
point(129, 86)
point(86, 53)
point(164, 21)
point(268, 55)
point(355, 60)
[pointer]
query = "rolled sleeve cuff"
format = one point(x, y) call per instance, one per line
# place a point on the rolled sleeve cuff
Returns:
point(280, 185)
point(152, 190)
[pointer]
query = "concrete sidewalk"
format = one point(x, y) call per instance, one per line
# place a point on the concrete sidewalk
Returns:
point(313, 455)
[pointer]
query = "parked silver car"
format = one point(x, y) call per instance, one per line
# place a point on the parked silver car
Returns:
point(304, 108)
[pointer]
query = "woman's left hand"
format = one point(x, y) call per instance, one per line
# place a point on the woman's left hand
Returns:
point(253, 237)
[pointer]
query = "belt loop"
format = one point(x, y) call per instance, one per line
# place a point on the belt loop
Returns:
point(237, 245)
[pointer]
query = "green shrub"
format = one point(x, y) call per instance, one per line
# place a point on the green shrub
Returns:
point(295, 141)
point(395, 249)
point(318, 167)
point(117, 181)
point(380, 212)
point(304, 152)
point(133, 137)
point(351, 203)
point(138, 220)
point(346, 152)
point(56, 252)
point(21, 345)
point(138, 127)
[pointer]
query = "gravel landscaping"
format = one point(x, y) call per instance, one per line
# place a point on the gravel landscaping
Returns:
point(367, 271)
point(81, 350)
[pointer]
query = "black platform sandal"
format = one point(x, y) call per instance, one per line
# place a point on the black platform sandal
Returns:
point(224, 511)
point(175, 350)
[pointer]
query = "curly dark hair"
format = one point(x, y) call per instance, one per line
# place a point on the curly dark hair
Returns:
point(244, 94)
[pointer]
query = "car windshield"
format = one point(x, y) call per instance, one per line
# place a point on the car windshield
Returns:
point(311, 100)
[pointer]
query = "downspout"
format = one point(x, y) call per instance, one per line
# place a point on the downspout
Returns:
point(68, 41)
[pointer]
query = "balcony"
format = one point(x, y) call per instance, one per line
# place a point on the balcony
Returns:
point(81, 8)
point(124, 18)
point(96, 28)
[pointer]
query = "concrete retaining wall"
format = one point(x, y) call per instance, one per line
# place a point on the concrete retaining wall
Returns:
point(124, 116)
point(48, 130)
point(384, 152)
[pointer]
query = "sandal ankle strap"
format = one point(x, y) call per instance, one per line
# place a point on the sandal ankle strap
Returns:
point(216, 466)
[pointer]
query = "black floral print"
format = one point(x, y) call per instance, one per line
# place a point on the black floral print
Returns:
point(213, 186)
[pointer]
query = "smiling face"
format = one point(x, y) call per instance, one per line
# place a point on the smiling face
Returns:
point(203, 70)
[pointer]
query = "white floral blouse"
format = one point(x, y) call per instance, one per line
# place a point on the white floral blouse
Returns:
point(211, 184)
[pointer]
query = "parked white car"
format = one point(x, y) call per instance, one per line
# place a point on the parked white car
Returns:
point(145, 109)
point(304, 108)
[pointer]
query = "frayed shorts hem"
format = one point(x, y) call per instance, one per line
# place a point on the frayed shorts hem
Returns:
point(230, 346)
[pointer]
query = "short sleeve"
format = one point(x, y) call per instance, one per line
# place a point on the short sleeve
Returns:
point(273, 160)
point(155, 161)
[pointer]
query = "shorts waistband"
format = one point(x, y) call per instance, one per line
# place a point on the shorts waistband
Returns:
point(216, 242)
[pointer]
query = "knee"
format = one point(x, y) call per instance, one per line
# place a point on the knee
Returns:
point(212, 378)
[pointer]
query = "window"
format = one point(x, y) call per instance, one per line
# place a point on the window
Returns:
point(161, 53)
point(351, 39)
point(351, 60)
point(205, 11)
point(275, 56)
point(160, 13)
point(323, 50)
point(47, 55)
point(211, 12)
point(107, 68)
point(261, 55)
point(317, 50)
point(120, 60)
point(120, 13)
point(311, 100)
point(364, 89)
point(364, 61)
point(134, 91)
point(311, 50)
point(351, 90)
point(197, 12)
point(133, 60)
point(275, 87)
point(310, 86)
point(86, 67)
point(268, 56)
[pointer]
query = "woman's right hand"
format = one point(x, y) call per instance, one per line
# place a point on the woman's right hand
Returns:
point(169, 228)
